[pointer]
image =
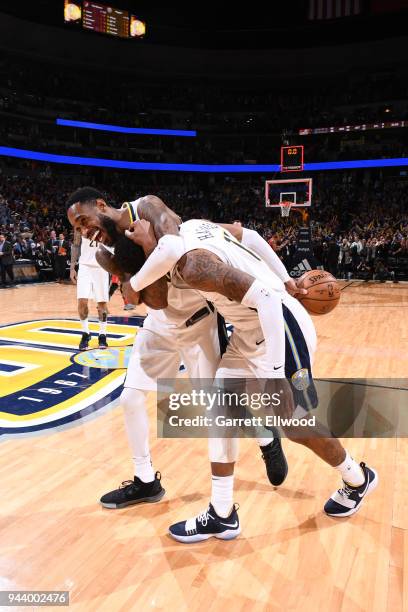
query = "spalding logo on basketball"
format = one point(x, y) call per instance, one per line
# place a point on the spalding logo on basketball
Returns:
point(323, 291)
point(46, 383)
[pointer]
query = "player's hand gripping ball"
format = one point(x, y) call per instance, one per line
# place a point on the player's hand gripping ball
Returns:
point(323, 292)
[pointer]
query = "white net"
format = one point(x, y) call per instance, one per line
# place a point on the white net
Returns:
point(285, 208)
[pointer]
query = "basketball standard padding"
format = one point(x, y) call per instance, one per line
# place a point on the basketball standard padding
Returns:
point(323, 291)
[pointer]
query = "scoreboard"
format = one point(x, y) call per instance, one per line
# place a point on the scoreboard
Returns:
point(105, 19)
point(292, 158)
point(102, 18)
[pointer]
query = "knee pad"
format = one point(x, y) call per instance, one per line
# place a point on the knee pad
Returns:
point(223, 450)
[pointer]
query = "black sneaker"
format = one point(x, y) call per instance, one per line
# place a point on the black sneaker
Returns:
point(207, 525)
point(102, 341)
point(134, 492)
point(85, 340)
point(347, 500)
point(275, 460)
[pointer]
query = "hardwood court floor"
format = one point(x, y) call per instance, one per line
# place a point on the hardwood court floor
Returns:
point(290, 556)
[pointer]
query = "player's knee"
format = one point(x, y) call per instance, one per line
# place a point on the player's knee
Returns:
point(132, 399)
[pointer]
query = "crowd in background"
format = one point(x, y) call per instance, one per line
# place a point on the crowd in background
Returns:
point(234, 124)
point(358, 220)
point(359, 227)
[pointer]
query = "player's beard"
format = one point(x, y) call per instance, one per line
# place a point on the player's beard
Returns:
point(109, 227)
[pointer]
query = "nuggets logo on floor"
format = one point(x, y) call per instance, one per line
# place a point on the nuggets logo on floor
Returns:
point(47, 383)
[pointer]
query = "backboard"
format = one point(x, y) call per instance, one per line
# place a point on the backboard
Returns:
point(296, 191)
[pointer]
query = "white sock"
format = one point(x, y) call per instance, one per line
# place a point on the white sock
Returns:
point(264, 441)
point(133, 402)
point(102, 327)
point(85, 325)
point(143, 468)
point(222, 493)
point(351, 472)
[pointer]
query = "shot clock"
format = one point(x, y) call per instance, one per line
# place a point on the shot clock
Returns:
point(292, 158)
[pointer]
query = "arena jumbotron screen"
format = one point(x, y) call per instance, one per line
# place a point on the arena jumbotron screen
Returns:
point(105, 19)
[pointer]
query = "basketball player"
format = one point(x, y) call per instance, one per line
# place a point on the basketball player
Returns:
point(180, 325)
point(273, 337)
point(92, 281)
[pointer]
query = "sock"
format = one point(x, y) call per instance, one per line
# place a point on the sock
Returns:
point(133, 402)
point(85, 325)
point(351, 472)
point(102, 327)
point(143, 468)
point(264, 441)
point(222, 492)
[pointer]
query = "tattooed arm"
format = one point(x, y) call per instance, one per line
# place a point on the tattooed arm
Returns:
point(162, 218)
point(204, 271)
point(75, 251)
point(106, 260)
point(154, 296)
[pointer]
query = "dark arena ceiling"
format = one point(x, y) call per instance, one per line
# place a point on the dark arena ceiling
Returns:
point(225, 25)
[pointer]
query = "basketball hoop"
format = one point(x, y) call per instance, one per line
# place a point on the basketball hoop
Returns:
point(285, 208)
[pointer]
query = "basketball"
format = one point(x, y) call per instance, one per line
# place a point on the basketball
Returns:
point(323, 291)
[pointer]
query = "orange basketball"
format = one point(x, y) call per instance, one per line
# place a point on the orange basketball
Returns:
point(323, 291)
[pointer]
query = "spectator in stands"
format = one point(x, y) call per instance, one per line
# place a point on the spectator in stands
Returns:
point(43, 261)
point(42, 256)
point(4, 212)
point(6, 260)
point(381, 271)
point(52, 248)
point(61, 258)
point(344, 258)
point(333, 252)
point(22, 248)
point(371, 249)
point(363, 271)
point(395, 246)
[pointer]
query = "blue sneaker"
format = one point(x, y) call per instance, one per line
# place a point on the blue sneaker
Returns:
point(348, 500)
point(207, 525)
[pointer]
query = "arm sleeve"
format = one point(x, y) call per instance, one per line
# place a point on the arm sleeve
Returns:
point(161, 260)
point(269, 306)
point(253, 240)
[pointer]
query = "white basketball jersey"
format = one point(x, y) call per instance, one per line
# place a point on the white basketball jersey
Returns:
point(198, 234)
point(182, 303)
point(88, 253)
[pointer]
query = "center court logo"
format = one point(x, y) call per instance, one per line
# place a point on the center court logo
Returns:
point(45, 383)
point(106, 359)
